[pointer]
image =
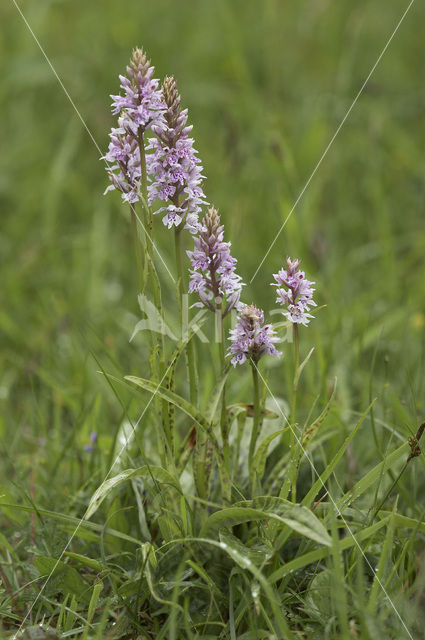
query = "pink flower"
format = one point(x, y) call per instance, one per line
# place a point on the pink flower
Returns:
point(213, 274)
point(251, 339)
point(294, 292)
point(173, 166)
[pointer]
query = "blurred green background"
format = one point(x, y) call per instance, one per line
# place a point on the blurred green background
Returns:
point(267, 84)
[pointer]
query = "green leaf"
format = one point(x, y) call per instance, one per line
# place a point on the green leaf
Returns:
point(202, 460)
point(179, 402)
point(205, 577)
point(320, 482)
point(403, 522)
point(201, 465)
point(70, 580)
point(319, 596)
point(246, 564)
point(153, 321)
point(97, 590)
point(194, 326)
point(216, 395)
point(158, 474)
point(383, 569)
point(258, 554)
point(78, 527)
point(260, 457)
point(373, 475)
point(310, 432)
point(39, 632)
point(295, 516)
point(302, 365)
point(5, 545)
point(85, 561)
point(318, 554)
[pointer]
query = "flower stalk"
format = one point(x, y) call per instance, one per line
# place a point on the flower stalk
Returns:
point(213, 277)
point(224, 422)
point(295, 294)
point(190, 356)
point(293, 443)
point(256, 419)
point(251, 340)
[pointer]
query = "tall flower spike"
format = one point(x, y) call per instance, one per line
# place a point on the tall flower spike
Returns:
point(251, 339)
point(213, 274)
point(294, 292)
point(173, 166)
point(140, 108)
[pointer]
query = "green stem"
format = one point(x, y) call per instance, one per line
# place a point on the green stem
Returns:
point(256, 422)
point(294, 406)
point(224, 424)
point(149, 227)
point(156, 289)
point(149, 246)
point(138, 247)
point(190, 358)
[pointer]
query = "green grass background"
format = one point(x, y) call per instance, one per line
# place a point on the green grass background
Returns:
point(267, 84)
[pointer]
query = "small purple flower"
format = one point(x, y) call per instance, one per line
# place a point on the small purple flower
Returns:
point(173, 167)
point(124, 159)
point(294, 292)
point(213, 275)
point(93, 440)
point(139, 109)
point(251, 339)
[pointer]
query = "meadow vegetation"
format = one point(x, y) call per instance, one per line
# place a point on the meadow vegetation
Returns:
point(133, 502)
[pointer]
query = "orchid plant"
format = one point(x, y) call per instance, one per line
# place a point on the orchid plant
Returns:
point(153, 162)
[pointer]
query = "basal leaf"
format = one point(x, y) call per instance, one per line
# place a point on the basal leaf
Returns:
point(261, 453)
point(294, 516)
point(70, 580)
point(179, 402)
point(159, 475)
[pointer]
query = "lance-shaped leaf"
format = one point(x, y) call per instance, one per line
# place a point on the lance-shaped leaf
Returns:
point(320, 482)
point(159, 475)
point(294, 516)
point(181, 403)
point(68, 578)
point(153, 321)
point(261, 453)
point(310, 431)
